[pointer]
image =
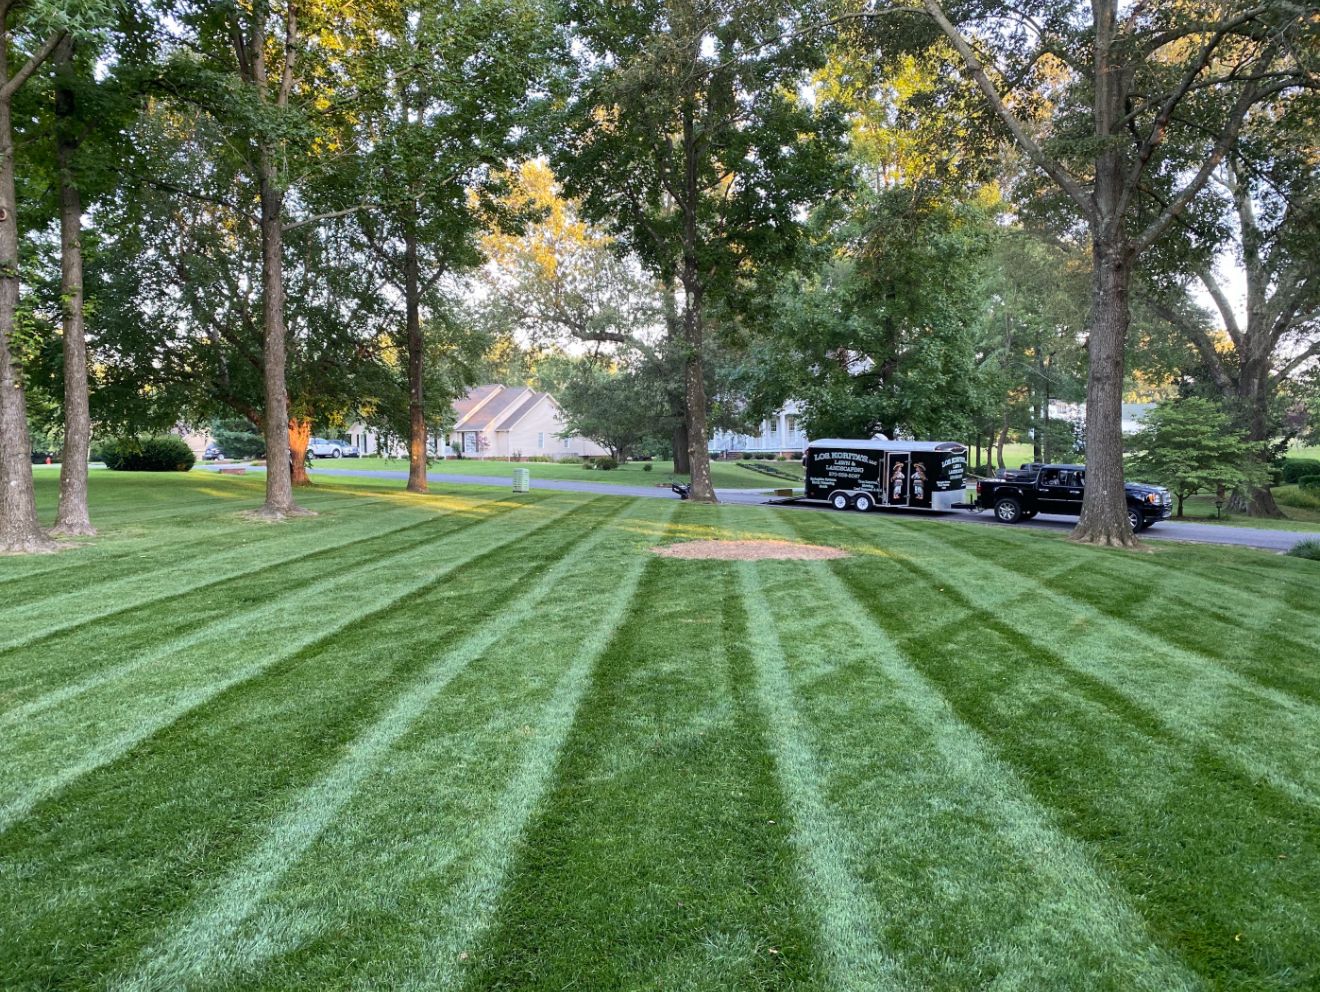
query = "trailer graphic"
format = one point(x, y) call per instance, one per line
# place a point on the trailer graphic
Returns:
point(859, 474)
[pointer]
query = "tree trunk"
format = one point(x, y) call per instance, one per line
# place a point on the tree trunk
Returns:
point(682, 463)
point(1104, 519)
point(20, 531)
point(73, 517)
point(694, 391)
point(1003, 437)
point(1180, 506)
point(416, 406)
point(279, 484)
point(300, 436)
point(1259, 499)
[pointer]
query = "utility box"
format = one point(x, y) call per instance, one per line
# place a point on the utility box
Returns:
point(522, 480)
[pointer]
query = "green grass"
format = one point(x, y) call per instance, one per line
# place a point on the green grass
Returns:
point(726, 475)
point(487, 741)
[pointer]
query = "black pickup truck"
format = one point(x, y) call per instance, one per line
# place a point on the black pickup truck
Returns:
point(1032, 489)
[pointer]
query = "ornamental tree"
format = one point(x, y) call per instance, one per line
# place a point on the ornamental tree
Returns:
point(1190, 446)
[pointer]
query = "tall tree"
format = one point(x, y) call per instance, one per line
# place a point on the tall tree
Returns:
point(1272, 198)
point(30, 34)
point(689, 135)
point(445, 94)
point(1127, 110)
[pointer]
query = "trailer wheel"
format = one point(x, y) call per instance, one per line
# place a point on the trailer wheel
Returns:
point(862, 503)
point(1008, 510)
point(839, 501)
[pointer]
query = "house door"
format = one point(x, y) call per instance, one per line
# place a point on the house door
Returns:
point(898, 476)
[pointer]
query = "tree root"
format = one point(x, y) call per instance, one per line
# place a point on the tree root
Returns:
point(73, 530)
point(275, 515)
point(32, 546)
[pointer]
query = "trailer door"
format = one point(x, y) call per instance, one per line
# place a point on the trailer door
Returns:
point(898, 479)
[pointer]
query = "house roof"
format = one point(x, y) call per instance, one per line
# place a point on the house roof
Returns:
point(474, 397)
point(524, 408)
point(485, 416)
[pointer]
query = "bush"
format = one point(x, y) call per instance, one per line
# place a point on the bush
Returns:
point(163, 453)
point(1295, 468)
point(1296, 496)
point(1309, 483)
point(1308, 549)
point(605, 463)
point(538, 458)
point(647, 466)
point(746, 456)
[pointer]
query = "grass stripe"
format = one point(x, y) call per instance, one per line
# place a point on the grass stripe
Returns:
point(1223, 867)
point(141, 592)
point(852, 957)
point(204, 945)
point(1199, 700)
point(20, 800)
point(110, 555)
point(969, 859)
point(114, 856)
point(659, 858)
point(273, 586)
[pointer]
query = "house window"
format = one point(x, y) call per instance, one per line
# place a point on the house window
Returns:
point(540, 440)
point(568, 443)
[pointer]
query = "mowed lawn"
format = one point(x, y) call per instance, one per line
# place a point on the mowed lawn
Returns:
point(725, 474)
point(489, 741)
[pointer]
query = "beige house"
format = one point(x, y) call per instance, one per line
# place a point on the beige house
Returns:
point(495, 422)
point(504, 422)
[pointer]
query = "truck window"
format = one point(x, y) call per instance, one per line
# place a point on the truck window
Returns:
point(1050, 477)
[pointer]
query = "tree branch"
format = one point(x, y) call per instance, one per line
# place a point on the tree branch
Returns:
point(1028, 144)
point(15, 83)
point(1250, 96)
point(328, 215)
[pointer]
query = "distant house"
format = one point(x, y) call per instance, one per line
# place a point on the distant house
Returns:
point(781, 434)
point(1133, 414)
point(497, 422)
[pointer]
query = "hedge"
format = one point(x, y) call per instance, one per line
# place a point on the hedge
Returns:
point(1295, 468)
point(163, 453)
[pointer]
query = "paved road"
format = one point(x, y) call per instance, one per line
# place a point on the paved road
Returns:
point(1249, 537)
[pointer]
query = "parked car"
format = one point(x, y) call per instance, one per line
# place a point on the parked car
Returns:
point(319, 447)
point(212, 452)
point(1021, 494)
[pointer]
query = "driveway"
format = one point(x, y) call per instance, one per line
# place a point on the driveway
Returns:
point(1247, 537)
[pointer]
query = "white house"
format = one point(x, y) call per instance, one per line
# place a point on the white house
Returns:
point(499, 422)
point(1133, 414)
point(780, 434)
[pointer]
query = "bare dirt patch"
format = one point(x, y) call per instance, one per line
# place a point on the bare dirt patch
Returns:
point(748, 550)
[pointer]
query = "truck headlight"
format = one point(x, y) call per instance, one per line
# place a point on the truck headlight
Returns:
point(1152, 497)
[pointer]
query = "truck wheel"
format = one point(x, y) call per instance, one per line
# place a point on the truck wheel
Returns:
point(862, 503)
point(1008, 510)
point(839, 501)
point(1135, 519)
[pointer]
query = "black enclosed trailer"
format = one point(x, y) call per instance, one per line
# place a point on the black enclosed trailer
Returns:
point(858, 474)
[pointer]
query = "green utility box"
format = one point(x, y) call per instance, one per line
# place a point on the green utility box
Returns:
point(522, 480)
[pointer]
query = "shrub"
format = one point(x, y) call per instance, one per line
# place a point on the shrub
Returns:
point(1295, 468)
point(1308, 549)
point(647, 466)
point(1302, 499)
point(746, 456)
point(605, 463)
point(162, 453)
point(1309, 483)
point(538, 458)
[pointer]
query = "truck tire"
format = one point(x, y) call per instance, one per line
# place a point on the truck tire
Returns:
point(840, 501)
point(1135, 519)
point(1008, 510)
point(862, 503)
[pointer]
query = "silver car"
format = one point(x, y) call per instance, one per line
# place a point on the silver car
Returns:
point(319, 447)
